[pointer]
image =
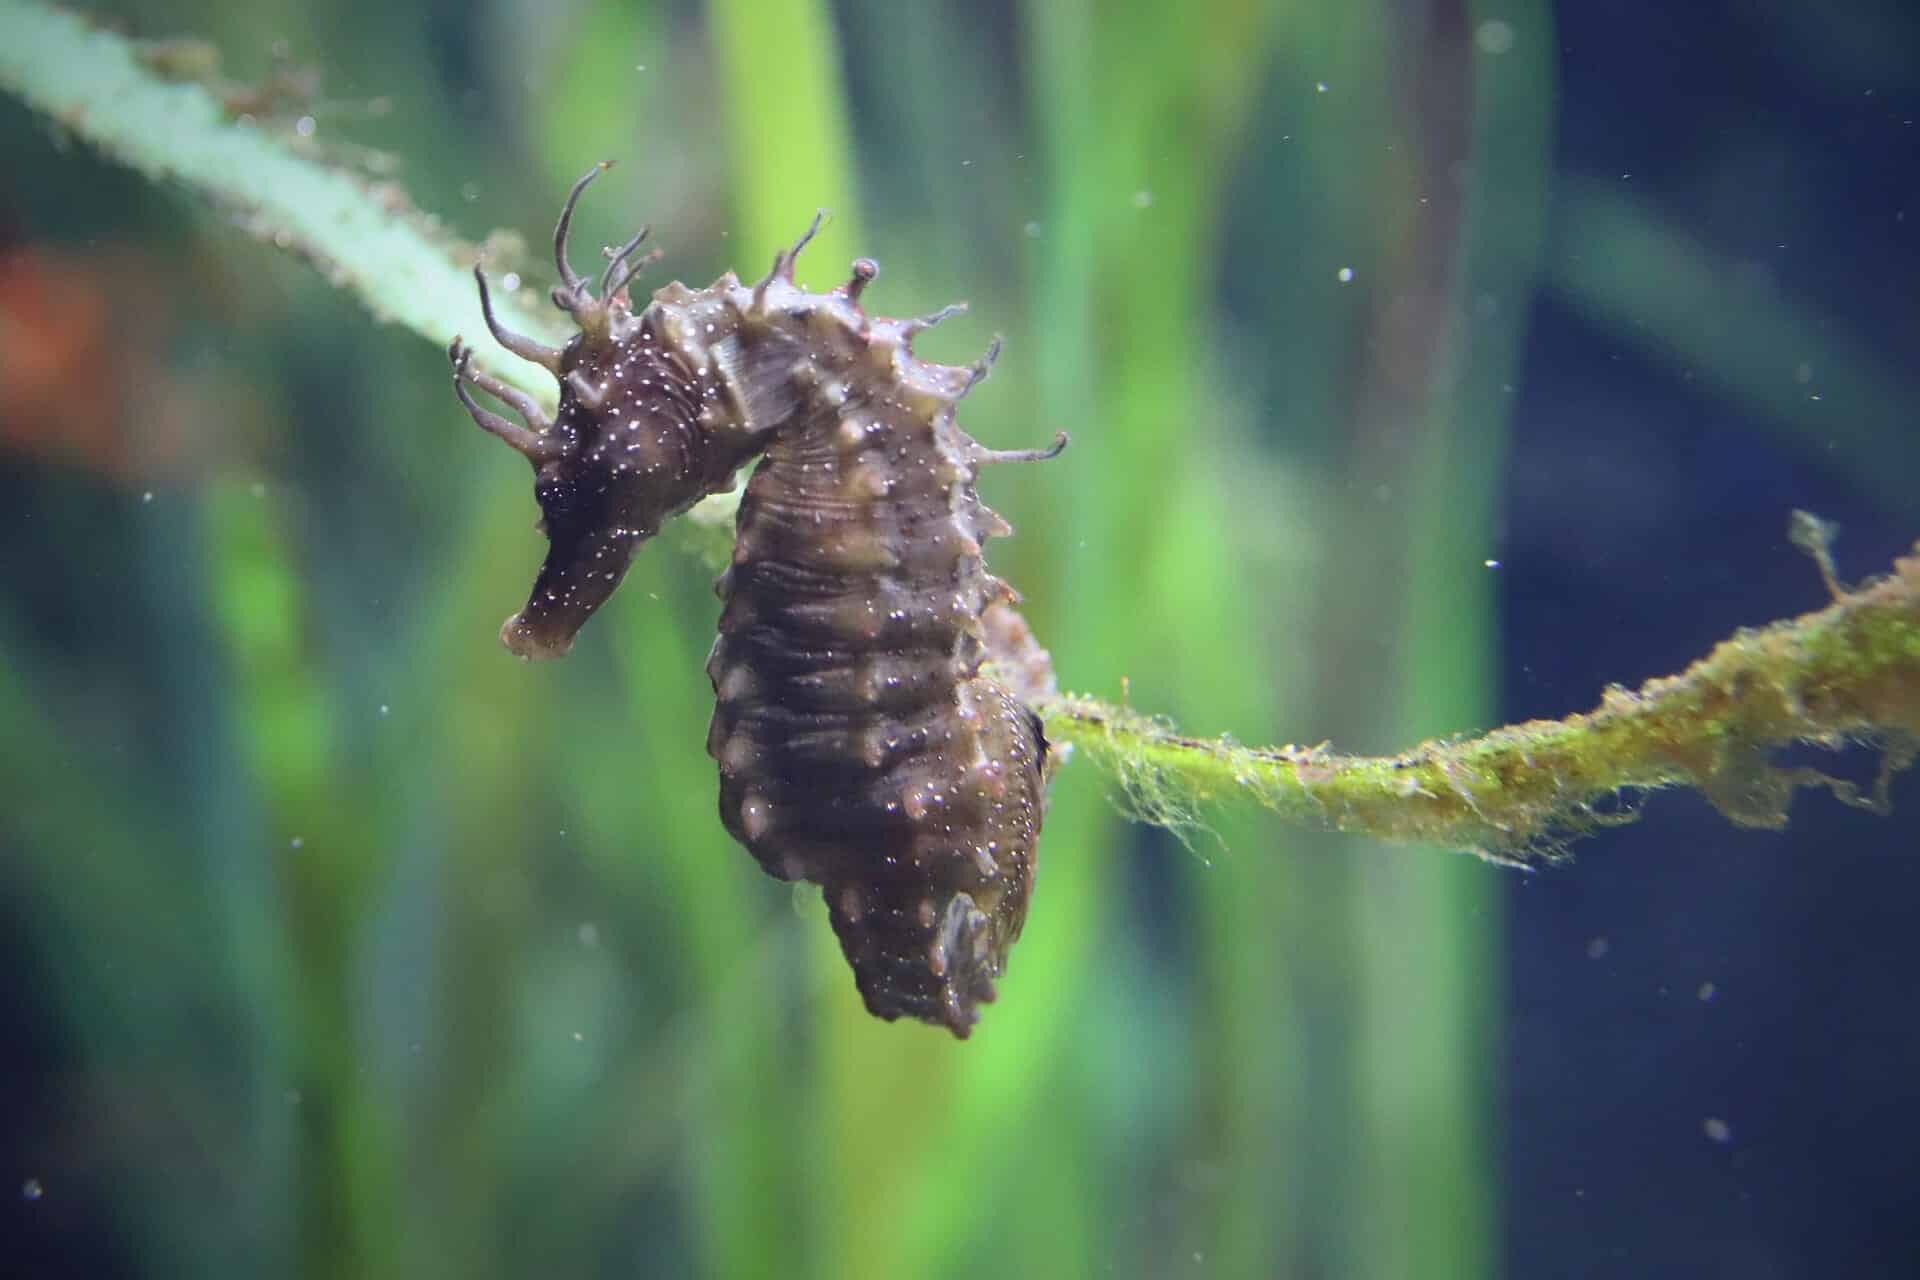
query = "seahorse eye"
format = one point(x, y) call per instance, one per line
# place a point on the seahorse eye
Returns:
point(562, 498)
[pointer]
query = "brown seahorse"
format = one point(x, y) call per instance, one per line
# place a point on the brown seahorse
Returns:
point(861, 746)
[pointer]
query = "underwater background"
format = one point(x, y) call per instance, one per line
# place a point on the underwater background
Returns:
point(1430, 366)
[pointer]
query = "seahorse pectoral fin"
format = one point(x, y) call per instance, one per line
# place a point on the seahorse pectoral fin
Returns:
point(962, 958)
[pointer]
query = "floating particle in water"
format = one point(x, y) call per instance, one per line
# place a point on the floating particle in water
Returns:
point(1142, 198)
point(1707, 992)
point(1494, 36)
point(1716, 1129)
point(1598, 947)
point(31, 1189)
point(589, 934)
point(1320, 86)
point(1490, 564)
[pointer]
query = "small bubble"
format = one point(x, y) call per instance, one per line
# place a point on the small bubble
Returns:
point(305, 126)
point(1491, 564)
point(147, 496)
point(1597, 948)
point(1142, 198)
point(31, 1189)
point(1033, 230)
point(258, 489)
point(385, 709)
point(298, 842)
point(1706, 992)
point(589, 934)
point(579, 1037)
point(1494, 36)
point(1344, 275)
point(1716, 1129)
point(1320, 86)
point(510, 281)
point(641, 66)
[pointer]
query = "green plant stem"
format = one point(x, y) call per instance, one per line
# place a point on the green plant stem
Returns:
point(1848, 672)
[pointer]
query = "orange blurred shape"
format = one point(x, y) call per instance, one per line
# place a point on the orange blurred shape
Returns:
point(74, 369)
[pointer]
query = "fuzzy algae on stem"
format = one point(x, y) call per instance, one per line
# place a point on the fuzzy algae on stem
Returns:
point(1849, 673)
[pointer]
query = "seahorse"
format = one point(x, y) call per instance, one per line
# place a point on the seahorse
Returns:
point(861, 747)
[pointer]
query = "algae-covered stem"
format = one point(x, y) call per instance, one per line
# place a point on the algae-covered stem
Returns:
point(1850, 672)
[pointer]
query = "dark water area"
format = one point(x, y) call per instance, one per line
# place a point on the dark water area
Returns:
point(1712, 1046)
